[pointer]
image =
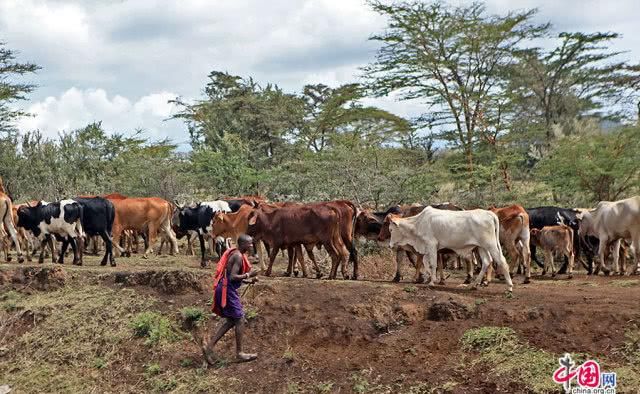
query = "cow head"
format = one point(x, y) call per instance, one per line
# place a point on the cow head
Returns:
point(29, 217)
point(367, 225)
point(385, 230)
point(219, 223)
point(585, 221)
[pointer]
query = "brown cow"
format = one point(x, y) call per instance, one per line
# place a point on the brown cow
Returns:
point(8, 223)
point(148, 215)
point(291, 225)
point(514, 236)
point(554, 239)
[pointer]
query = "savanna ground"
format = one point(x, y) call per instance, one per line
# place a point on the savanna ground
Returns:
point(130, 329)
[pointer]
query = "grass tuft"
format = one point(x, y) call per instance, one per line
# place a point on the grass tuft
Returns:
point(502, 351)
point(154, 327)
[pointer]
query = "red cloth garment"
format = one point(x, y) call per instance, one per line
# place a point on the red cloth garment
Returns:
point(221, 278)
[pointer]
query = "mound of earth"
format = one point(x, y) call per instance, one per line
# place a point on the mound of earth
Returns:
point(37, 278)
point(167, 282)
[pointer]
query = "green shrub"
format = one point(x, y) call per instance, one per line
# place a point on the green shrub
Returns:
point(153, 326)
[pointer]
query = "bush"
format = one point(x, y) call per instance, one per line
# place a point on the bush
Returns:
point(192, 317)
point(153, 326)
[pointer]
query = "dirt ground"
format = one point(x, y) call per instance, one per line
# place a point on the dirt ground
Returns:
point(313, 335)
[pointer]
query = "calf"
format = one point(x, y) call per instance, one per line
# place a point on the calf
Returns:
point(233, 224)
point(550, 216)
point(61, 219)
point(554, 239)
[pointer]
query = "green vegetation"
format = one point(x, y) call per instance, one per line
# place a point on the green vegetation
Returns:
point(504, 355)
point(154, 327)
point(193, 317)
point(77, 328)
point(502, 121)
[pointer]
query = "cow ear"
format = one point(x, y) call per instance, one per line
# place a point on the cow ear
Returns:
point(253, 218)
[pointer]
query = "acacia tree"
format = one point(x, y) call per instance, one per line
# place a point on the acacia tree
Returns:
point(454, 60)
point(334, 112)
point(579, 77)
point(12, 90)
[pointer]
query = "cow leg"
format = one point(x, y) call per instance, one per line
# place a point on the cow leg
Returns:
point(534, 256)
point(353, 257)
point(189, 250)
point(43, 245)
point(432, 262)
point(616, 256)
point(74, 246)
point(571, 257)
point(63, 249)
point(636, 254)
point(8, 223)
point(398, 275)
point(468, 262)
point(259, 245)
point(300, 258)
point(548, 262)
point(526, 258)
point(603, 251)
point(440, 269)
point(272, 257)
point(291, 256)
point(309, 249)
point(419, 277)
point(203, 259)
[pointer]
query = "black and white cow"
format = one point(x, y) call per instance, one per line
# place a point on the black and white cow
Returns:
point(198, 218)
point(62, 219)
point(551, 216)
point(97, 220)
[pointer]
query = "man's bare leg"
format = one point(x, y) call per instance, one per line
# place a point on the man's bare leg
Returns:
point(239, 334)
point(207, 345)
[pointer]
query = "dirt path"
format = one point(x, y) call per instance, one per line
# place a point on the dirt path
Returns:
point(377, 336)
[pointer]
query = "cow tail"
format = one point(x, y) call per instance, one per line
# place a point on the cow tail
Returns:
point(80, 220)
point(7, 209)
point(353, 253)
point(496, 221)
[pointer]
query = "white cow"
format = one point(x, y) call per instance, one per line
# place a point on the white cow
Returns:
point(459, 231)
point(611, 221)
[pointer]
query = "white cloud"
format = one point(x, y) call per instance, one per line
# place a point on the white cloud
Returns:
point(76, 108)
point(148, 49)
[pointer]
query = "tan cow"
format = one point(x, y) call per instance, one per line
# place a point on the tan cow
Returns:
point(151, 215)
point(232, 225)
point(514, 237)
point(7, 222)
point(611, 221)
point(554, 239)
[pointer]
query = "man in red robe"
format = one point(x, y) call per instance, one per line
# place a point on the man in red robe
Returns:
point(232, 269)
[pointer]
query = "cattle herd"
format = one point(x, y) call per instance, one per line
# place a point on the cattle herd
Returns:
point(432, 237)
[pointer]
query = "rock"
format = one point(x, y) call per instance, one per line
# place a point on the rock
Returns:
point(5, 389)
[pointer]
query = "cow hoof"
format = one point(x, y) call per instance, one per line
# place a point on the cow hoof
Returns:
point(287, 274)
point(570, 276)
point(103, 263)
point(474, 287)
point(484, 283)
point(318, 275)
point(9, 258)
point(553, 275)
point(345, 277)
point(621, 273)
point(526, 281)
point(441, 282)
point(606, 273)
point(296, 273)
point(20, 259)
point(396, 278)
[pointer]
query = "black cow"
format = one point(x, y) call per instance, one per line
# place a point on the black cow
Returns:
point(196, 218)
point(62, 219)
point(551, 216)
point(97, 219)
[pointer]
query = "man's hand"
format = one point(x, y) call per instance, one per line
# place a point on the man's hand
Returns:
point(253, 273)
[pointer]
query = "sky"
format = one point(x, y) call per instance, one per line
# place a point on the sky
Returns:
point(121, 61)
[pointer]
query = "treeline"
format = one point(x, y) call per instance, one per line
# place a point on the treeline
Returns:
point(503, 121)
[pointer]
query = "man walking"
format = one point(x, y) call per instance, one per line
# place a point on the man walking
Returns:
point(232, 269)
